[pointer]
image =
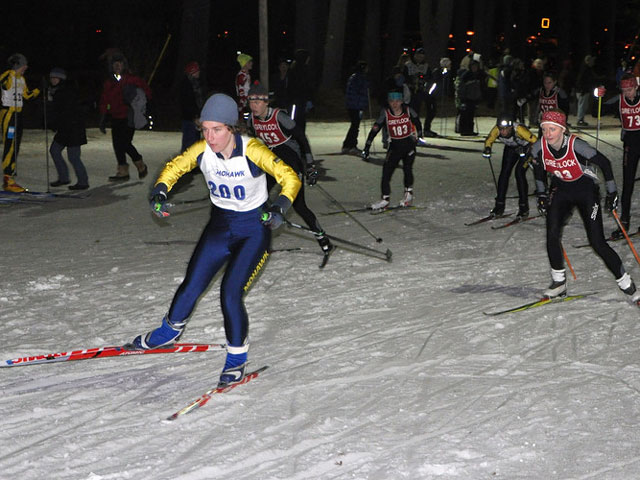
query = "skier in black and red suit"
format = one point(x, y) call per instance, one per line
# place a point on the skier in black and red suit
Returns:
point(283, 136)
point(551, 96)
point(627, 104)
point(404, 129)
point(570, 161)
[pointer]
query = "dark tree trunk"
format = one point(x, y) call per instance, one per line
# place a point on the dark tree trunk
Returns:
point(310, 27)
point(484, 28)
point(583, 33)
point(565, 32)
point(461, 25)
point(371, 41)
point(393, 29)
point(194, 35)
point(334, 45)
point(608, 58)
point(435, 25)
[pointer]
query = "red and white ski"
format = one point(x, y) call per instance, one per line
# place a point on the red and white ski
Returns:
point(112, 351)
point(206, 396)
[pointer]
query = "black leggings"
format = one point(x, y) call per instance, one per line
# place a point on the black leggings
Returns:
point(583, 194)
point(121, 138)
point(511, 159)
point(629, 169)
point(291, 158)
point(404, 150)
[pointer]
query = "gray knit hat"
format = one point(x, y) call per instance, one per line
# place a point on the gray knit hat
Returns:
point(58, 72)
point(16, 61)
point(220, 108)
point(258, 91)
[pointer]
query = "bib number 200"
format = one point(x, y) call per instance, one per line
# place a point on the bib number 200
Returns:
point(223, 191)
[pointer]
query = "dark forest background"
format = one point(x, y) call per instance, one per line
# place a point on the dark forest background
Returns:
point(74, 34)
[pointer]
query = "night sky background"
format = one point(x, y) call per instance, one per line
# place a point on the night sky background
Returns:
point(74, 34)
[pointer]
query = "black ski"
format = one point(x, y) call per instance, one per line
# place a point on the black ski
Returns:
point(540, 303)
point(372, 211)
point(609, 239)
point(43, 195)
point(389, 209)
point(488, 218)
point(515, 221)
point(326, 255)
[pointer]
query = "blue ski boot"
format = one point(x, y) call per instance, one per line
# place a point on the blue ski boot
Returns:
point(234, 366)
point(167, 334)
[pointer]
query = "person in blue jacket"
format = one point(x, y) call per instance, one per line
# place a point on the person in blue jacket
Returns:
point(356, 101)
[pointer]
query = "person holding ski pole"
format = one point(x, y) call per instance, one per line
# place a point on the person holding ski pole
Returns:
point(627, 103)
point(570, 161)
point(517, 140)
point(284, 138)
point(238, 233)
point(14, 92)
point(404, 129)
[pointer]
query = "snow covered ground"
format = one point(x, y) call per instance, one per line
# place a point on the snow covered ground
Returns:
point(377, 370)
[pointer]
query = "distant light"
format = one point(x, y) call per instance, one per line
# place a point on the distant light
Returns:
point(99, 30)
point(515, 26)
point(451, 35)
point(284, 32)
point(545, 22)
point(471, 33)
point(606, 29)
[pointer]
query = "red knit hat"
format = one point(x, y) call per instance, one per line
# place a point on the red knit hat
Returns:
point(191, 68)
point(554, 117)
point(628, 83)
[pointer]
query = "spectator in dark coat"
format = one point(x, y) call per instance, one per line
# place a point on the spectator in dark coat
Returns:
point(585, 83)
point(300, 88)
point(190, 104)
point(65, 117)
point(279, 85)
point(356, 101)
point(470, 94)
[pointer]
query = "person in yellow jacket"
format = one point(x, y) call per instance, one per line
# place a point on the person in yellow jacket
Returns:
point(517, 140)
point(237, 235)
point(14, 92)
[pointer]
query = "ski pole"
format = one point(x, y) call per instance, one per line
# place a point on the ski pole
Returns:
point(330, 197)
point(599, 110)
point(164, 48)
point(387, 254)
point(566, 259)
point(626, 235)
point(493, 173)
point(45, 96)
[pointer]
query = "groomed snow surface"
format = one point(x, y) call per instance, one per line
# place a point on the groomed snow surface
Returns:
point(378, 370)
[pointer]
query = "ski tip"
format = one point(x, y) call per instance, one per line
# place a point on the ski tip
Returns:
point(388, 254)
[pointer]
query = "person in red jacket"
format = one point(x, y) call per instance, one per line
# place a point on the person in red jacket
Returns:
point(120, 92)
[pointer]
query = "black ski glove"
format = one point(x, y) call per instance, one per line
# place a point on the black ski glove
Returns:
point(542, 203)
point(311, 174)
point(611, 201)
